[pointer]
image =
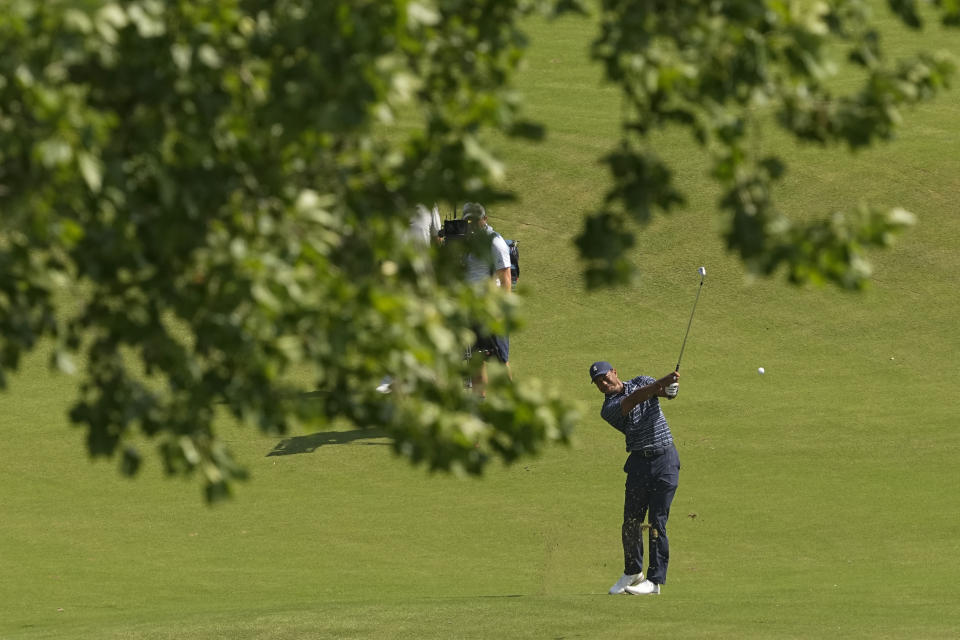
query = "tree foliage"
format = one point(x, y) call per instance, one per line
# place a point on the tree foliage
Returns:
point(718, 69)
point(204, 201)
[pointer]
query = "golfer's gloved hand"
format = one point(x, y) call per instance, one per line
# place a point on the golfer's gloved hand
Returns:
point(672, 390)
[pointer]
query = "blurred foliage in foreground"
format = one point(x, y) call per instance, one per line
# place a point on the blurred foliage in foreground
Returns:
point(208, 183)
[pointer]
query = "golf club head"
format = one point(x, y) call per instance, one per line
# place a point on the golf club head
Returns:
point(703, 272)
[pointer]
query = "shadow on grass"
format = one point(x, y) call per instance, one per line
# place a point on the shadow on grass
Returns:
point(312, 442)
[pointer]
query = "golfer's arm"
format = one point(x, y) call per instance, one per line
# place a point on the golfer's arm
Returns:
point(642, 394)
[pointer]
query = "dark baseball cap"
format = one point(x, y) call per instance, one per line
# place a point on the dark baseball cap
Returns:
point(599, 368)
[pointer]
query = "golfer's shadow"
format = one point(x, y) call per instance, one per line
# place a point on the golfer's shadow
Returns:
point(312, 442)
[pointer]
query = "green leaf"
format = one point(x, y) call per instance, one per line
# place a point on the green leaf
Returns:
point(54, 152)
point(130, 462)
point(91, 169)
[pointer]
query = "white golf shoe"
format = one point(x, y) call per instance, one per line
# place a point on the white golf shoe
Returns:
point(625, 581)
point(645, 588)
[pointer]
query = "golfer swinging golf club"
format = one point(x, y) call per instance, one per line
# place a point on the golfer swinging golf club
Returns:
point(653, 470)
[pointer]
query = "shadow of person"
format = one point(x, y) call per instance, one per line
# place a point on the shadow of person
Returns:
point(310, 443)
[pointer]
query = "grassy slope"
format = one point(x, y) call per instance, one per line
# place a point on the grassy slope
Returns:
point(825, 493)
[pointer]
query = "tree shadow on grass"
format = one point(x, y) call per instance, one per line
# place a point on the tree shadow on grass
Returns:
point(312, 442)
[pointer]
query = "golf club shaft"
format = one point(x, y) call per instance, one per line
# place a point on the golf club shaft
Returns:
point(683, 346)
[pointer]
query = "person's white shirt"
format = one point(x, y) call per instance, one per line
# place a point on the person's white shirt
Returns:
point(425, 225)
point(478, 267)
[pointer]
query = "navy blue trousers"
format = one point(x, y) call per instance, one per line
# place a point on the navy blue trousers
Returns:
point(651, 485)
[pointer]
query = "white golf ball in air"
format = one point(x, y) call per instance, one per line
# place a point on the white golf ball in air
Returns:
point(760, 370)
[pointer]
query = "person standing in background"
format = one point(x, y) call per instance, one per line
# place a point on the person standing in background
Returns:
point(480, 268)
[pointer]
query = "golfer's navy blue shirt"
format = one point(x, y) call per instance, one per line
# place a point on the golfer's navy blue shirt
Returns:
point(645, 426)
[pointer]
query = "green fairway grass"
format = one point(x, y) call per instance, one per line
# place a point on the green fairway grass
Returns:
point(818, 500)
